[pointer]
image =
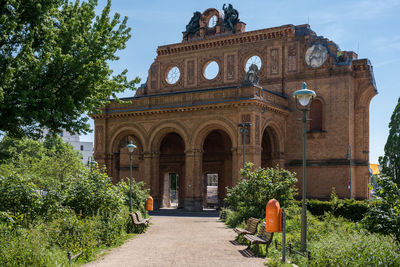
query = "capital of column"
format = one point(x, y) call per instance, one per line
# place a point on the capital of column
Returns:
point(193, 152)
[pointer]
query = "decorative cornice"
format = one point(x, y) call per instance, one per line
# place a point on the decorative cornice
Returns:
point(263, 104)
point(240, 38)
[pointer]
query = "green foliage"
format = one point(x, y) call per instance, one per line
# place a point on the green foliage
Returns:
point(383, 215)
point(139, 195)
point(250, 196)
point(24, 247)
point(54, 64)
point(19, 197)
point(46, 163)
point(354, 249)
point(351, 209)
point(334, 241)
point(390, 162)
point(92, 193)
point(75, 234)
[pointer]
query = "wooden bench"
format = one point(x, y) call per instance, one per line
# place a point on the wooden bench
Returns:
point(263, 237)
point(140, 218)
point(250, 229)
point(139, 224)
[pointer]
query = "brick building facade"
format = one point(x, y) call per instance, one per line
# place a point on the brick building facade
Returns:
point(187, 124)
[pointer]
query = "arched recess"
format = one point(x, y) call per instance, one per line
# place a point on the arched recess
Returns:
point(316, 116)
point(121, 162)
point(158, 132)
point(172, 170)
point(216, 167)
point(125, 129)
point(272, 146)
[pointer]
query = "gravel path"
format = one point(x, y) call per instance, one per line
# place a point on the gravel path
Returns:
point(182, 241)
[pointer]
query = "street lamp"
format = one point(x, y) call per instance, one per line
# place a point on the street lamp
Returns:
point(244, 130)
point(304, 98)
point(131, 147)
point(91, 163)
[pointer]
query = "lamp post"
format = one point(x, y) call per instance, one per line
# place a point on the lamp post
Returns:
point(304, 98)
point(349, 158)
point(244, 130)
point(91, 163)
point(131, 147)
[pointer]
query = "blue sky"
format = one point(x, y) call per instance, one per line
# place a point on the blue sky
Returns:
point(370, 28)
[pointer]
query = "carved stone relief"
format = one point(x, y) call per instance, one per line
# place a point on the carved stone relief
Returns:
point(274, 61)
point(154, 74)
point(257, 129)
point(230, 65)
point(292, 58)
point(190, 72)
point(99, 138)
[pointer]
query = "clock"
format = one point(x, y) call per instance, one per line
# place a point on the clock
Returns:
point(316, 56)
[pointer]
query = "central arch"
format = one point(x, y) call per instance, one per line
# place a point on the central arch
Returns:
point(216, 167)
point(172, 170)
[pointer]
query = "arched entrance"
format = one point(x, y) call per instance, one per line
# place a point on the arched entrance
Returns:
point(270, 154)
point(217, 167)
point(172, 170)
point(121, 159)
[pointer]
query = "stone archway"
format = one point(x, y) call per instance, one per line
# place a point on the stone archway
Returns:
point(217, 161)
point(121, 163)
point(172, 170)
point(271, 150)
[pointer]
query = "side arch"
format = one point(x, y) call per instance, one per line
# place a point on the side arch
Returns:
point(126, 129)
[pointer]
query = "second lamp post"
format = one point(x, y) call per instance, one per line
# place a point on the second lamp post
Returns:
point(244, 130)
point(131, 147)
point(304, 98)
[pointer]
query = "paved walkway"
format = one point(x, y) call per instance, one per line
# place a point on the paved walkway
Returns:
point(197, 239)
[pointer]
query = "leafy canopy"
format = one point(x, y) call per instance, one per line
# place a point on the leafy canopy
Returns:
point(46, 163)
point(250, 196)
point(54, 64)
point(390, 162)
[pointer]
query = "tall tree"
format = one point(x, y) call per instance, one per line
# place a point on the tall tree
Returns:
point(54, 57)
point(390, 162)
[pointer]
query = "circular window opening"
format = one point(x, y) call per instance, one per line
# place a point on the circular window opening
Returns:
point(211, 70)
point(213, 21)
point(256, 60)
point(173, 75)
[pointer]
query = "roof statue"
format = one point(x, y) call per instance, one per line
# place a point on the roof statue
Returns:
point(251, 77)
point(231, 17)
point(193, 25)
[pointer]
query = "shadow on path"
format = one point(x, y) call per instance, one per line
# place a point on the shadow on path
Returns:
point(181, 213)
point(247, 253)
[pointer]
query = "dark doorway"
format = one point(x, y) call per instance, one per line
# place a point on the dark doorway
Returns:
point(172, 167)
point(270, 150)
point(217, 166)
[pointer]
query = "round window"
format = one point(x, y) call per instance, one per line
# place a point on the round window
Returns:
point(213, 21)
point(256, 60)
point(211, 70)
point(173, 75)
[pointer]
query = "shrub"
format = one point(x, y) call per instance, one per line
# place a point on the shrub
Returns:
point(354, 249)
point(19, 197)
point(75, 234)
point(92, 192)
point(351, 209)
point(383, 215)
point(22, 247)
point(252, 194)
point(233, 218)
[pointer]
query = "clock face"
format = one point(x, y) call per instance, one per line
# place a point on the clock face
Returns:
point(316, 56)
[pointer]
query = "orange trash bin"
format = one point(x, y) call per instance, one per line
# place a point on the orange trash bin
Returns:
point(273, 216)
point(149, 204)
